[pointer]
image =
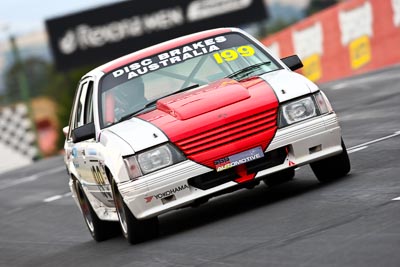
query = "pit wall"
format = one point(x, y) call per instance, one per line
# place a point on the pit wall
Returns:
point(347, 39)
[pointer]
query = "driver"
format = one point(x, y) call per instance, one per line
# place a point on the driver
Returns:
point(129, 97)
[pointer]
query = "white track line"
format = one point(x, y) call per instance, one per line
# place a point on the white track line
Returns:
point(50, 199)
point(365, 145)
point(57, 197)
point(356, 149)
point(375, 141)
point(68, 194)
point(10, 183)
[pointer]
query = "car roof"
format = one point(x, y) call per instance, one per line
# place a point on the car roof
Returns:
point(158, 48)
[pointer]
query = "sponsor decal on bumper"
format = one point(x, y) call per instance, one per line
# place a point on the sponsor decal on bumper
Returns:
point(168, 193)
point(238, 159)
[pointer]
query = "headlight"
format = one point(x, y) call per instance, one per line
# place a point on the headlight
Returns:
point(152, 160)
point(302, 109)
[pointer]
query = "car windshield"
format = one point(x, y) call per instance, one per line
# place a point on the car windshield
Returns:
point(137, 86)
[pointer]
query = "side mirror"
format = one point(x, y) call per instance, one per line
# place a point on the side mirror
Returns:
point(293, 62)
point(84, 132)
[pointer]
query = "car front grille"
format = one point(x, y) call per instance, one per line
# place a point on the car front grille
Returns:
point(250, 129)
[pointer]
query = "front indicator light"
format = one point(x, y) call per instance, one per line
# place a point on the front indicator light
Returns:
point(133, 167)
point(323, 103)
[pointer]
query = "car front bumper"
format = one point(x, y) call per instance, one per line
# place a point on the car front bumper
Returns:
point(171, 188)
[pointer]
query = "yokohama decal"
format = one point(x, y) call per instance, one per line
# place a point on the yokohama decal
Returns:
point(167, 193)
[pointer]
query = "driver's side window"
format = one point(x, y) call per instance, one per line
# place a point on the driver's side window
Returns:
point(88, 115)
point(83, 113)
point(80, 108)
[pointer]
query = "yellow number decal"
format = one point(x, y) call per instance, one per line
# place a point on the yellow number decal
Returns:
point(230, 54)
point(218, 58)
point(246, 51)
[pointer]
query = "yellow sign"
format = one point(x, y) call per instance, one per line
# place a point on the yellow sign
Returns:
point(360, 52)
point(312, 67)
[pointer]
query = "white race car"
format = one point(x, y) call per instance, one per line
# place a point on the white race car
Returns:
point(175, 124)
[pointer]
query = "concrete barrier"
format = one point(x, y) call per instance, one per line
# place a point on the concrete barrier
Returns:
point(347, 39)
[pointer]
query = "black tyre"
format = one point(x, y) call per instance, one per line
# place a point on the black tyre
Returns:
point(333, 167)
point(279, 177)
point(134, 230)
point(100, 230)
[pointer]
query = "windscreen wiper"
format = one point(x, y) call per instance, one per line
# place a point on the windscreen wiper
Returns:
point(152, 103)
point(130, 115)
point(247, 70)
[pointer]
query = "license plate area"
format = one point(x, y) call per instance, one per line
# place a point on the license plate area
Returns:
point(238, 159)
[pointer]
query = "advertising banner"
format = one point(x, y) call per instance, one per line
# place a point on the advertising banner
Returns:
point(98, 35)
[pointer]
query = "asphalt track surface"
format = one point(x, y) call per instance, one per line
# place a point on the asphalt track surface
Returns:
point(354, 221)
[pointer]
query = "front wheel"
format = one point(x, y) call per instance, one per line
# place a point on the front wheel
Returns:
point(134, 230)
point(100, 230)
point(333, 167)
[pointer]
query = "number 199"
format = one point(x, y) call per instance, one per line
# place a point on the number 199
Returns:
point(230, 54)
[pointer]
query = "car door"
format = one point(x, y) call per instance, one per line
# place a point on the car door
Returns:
point(93, 162)
point(76, 152)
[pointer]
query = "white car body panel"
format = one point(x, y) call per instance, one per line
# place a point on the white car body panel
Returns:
point(288, 85)
point(138, 134)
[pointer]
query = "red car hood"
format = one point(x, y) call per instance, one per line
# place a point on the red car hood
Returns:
point(218, 120)
point(208, 98)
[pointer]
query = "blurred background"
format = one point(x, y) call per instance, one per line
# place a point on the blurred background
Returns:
point(46, 46)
